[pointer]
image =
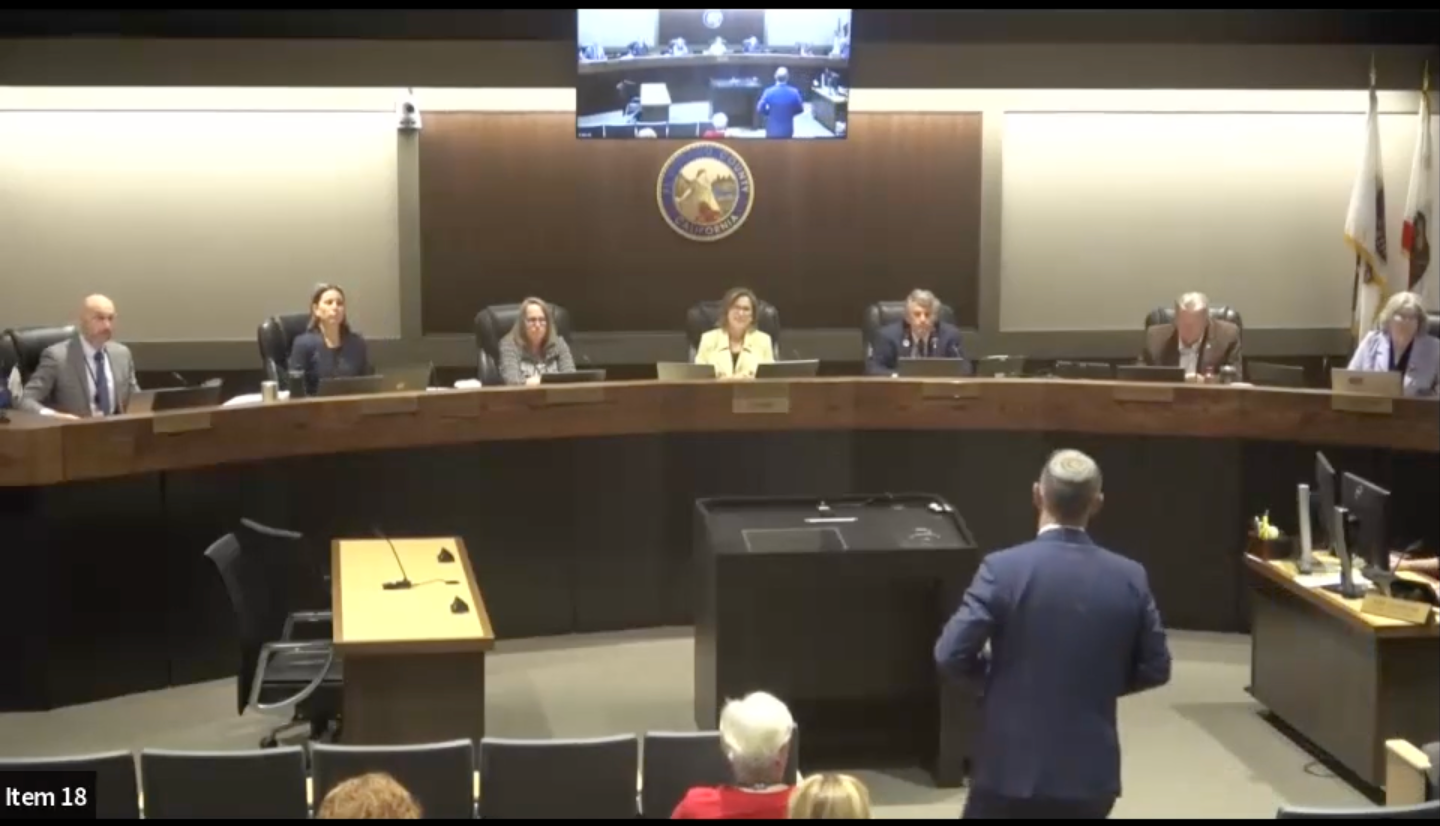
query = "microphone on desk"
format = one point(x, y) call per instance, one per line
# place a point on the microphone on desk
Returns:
point(180, 378)
point(404, 581)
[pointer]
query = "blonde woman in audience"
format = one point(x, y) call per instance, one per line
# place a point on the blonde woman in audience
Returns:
point(755, 733)
point(830, 797)
point(374, 796)
point(736, 347)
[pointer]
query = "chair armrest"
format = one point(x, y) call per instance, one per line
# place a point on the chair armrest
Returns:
point(1405, 770)
point(304, 616)
point(270, 649)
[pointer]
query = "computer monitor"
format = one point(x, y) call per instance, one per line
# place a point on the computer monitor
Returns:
point(1084, 370)
point(575, 377)
point(1266, 374)
point(1324, 502)
point(1146, 372)
point(1369, 507)
point(997, 367)
point(800, 369)
point(683, 371)
point(936, 368)
point(1366, 383)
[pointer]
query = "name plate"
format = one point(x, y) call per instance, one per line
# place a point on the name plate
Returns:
point(761, 398)
point(389, 405)
point(575, 394)
point(1356, 403)
point(1404, 610)
point(1147, 393)
point(181, 422)
point(949, 391)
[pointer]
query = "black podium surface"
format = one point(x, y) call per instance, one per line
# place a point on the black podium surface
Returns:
point(834, 605)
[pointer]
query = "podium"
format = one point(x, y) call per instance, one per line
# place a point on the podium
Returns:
point(414, 666)
point(834, 605)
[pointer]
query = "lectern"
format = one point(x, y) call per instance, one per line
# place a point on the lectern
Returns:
point(834, 605)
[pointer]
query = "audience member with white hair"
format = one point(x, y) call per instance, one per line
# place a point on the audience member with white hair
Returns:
point(1194, 340)
point(1400, 344)
point(755, 734)
point(1057, 630)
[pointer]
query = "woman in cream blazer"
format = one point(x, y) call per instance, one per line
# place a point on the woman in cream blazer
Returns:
point(735, 348)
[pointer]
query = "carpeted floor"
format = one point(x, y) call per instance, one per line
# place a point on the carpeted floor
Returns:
point(1194, 749)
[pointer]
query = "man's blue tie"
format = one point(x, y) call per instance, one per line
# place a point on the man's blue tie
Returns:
point(102, 385)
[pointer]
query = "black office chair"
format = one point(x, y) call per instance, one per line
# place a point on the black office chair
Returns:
point(559, 779)
point(8, 359)
point(1432, 326)
point(279, 674)
point(275, 336)
point(882, 314)
point(440, 776)
point(1429, 810)
point(1166, 315)
point(676, 762)
point(28, 343)
point(264, 785)
point(494, 323)
point(703, 317)
point(116, 791)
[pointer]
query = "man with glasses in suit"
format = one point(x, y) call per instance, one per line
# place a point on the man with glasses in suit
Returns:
point(87, 375)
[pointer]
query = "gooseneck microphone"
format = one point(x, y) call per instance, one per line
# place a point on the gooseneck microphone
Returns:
point(404, 581)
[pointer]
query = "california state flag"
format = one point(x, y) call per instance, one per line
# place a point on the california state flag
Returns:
point(1365, 228)
point(1420, 203)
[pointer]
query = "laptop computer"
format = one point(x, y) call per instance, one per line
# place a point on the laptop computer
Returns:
point(1000, 366)
point(684, 371)
point(412, 377)
point(1097, 370)
point(788, 369)
point(175, 398)
point(350, 386)
point(1275, 375)
point(1146, 372)
point(1366, 383)
point(937, 368)
point(577, 377)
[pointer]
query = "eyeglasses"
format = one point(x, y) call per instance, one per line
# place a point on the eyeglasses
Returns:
point(536, 322)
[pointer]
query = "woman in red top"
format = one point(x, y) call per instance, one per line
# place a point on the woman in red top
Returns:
point(755, 733)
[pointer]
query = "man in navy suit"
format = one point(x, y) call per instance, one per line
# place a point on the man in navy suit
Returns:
point(920, 335)
point(1057, 630)
point(780, 105)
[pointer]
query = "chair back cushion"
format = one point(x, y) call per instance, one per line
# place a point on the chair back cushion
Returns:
point(28, 343)
point(276, 336)
point(263, 784)
point(703, 317)
point(882, 314)
point(563, 779)
point(494, 323)
point(1166, 315)
point(116, 791)
point(440, 776)
point(1430, 810)
point(1432, 326)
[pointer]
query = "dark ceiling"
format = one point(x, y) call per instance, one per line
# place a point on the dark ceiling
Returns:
point(1375, 26)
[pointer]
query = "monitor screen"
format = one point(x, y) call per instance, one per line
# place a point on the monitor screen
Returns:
point(708, 74)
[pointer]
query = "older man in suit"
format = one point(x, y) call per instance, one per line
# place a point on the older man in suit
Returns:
point(921, 334)
point(1057, 629)
point(1195, 341)
point(87, 375)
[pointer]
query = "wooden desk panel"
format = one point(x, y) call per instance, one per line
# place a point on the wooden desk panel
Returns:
point(40, 452)
point(372, 620)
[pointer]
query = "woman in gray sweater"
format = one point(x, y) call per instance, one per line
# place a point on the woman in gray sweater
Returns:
point(534, 347)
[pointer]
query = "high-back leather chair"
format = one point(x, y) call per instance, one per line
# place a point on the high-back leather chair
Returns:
point(494, 323)
point(276, 335)
point(29, 342)
point(1432, 326)
point(703, 317)
point(1166, 315)
point(8, 359)
point(882, 314)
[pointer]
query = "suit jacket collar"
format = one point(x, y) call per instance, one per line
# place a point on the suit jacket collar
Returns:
point(1065, 536)
point(1172, 344)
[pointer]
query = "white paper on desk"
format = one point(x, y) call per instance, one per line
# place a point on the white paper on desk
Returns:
point(1327, 579)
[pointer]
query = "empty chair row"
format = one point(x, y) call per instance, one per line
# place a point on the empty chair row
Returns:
point(585, 778)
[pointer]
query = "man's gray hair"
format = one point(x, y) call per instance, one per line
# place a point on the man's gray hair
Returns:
point(753, 731)
point(1192, 302)
point(782, 75)
point(1405, 305)
point(1069, 484)
point(925, 299)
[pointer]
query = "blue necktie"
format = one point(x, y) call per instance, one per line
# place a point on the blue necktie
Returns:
point(102, 385)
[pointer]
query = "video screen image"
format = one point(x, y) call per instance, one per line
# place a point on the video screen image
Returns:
point(702, 74)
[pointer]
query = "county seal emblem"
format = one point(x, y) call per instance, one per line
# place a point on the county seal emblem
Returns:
point(705, 191)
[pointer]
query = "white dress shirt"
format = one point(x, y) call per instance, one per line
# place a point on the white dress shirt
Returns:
point(90, 378)
point(1190, 358)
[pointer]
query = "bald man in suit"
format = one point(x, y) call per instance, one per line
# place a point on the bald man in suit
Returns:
point(86, 375)
point(1195, 341)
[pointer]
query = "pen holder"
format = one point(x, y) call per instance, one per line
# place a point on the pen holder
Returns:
point(1270, 550)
